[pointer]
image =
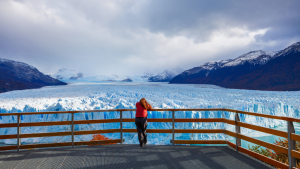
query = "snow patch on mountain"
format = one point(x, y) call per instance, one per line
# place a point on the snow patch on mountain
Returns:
point(165, 76)
point(254, 57)
point(67, 74)
point(294, 48)
point(16, 63)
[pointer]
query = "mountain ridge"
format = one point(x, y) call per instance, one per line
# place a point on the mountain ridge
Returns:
point(239, 73)
point(18, 75)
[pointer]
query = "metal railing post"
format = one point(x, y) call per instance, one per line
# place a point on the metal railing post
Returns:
point(72, 128)
point(121, 126)
point(291, 144)
point(237, 131)
point(18, 132)
point(173, 128)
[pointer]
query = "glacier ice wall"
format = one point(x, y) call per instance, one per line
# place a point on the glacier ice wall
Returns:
point(97, 96)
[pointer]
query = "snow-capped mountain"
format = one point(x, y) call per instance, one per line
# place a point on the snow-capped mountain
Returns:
point(67, 74)
point(258, 70)
point(257, 57)
point(165, 76)
point(293, 49)
point(18, 75)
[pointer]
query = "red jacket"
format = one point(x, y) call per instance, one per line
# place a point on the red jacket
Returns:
point(140, 111)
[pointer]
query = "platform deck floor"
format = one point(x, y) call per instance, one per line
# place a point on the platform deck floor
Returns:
point(130, 156)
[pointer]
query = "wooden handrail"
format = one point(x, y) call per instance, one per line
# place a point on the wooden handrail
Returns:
point(199, 141)
point(295, 137)
point(195, 109)
point(262, 129)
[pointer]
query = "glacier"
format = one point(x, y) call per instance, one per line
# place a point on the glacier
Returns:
point(84, 95)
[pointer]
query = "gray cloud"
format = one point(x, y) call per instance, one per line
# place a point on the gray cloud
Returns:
point(133, 36)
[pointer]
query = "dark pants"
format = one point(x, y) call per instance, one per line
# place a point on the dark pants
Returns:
point(141, 127)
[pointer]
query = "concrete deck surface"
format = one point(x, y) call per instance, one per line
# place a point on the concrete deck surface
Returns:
point(130, 156)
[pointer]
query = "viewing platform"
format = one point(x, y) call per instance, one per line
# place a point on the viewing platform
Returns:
point(179, 154)
point(131, 156)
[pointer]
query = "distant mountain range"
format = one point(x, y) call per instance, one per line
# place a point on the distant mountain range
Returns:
point(67, 74)
point(165, 76)
point(256, 70)
point(17, 76)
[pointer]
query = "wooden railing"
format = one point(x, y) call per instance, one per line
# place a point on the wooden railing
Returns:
point(290, 134)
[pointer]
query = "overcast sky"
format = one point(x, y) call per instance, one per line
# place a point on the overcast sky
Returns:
point(130, 37)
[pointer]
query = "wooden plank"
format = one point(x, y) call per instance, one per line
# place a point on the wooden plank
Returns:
point(97, 121)
point(159, 120)
point(231, 144)
point(264, 144)
point(232, 122)
point(180, 120)
point(259, 156)
point(37, 113)
point(45, 145)
point(114, 110)
point(263, 115)
point(230, 133)
point(207, 109)
point(128, 120)
point(200, 120)
point(296, 154)
point(51, 123)
point(109, 110)
point(97, 131)
point(5, 125)
point(97, 142)
point(263, 129)
point(198, 131)
point(46, 134)
point(199, 141)
point(130, 130)
point(295, 137)
point(2, 148)
point(159, 131)
point(149, 120)
point(13, 136)
point(148, 131)
point(68, 133)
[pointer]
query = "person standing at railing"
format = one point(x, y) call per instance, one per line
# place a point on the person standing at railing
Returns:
point(141, 120)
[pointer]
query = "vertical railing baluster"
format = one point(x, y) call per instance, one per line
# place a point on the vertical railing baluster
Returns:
point(121, 126)
point(291, 144)
point(72, 128)
point(237, 131)
point(18, 132)
point(173, 128)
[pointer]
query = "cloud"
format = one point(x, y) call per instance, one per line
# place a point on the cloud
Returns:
point(132, 36)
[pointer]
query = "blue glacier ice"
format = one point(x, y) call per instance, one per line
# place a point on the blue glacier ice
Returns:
point(101, 96)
